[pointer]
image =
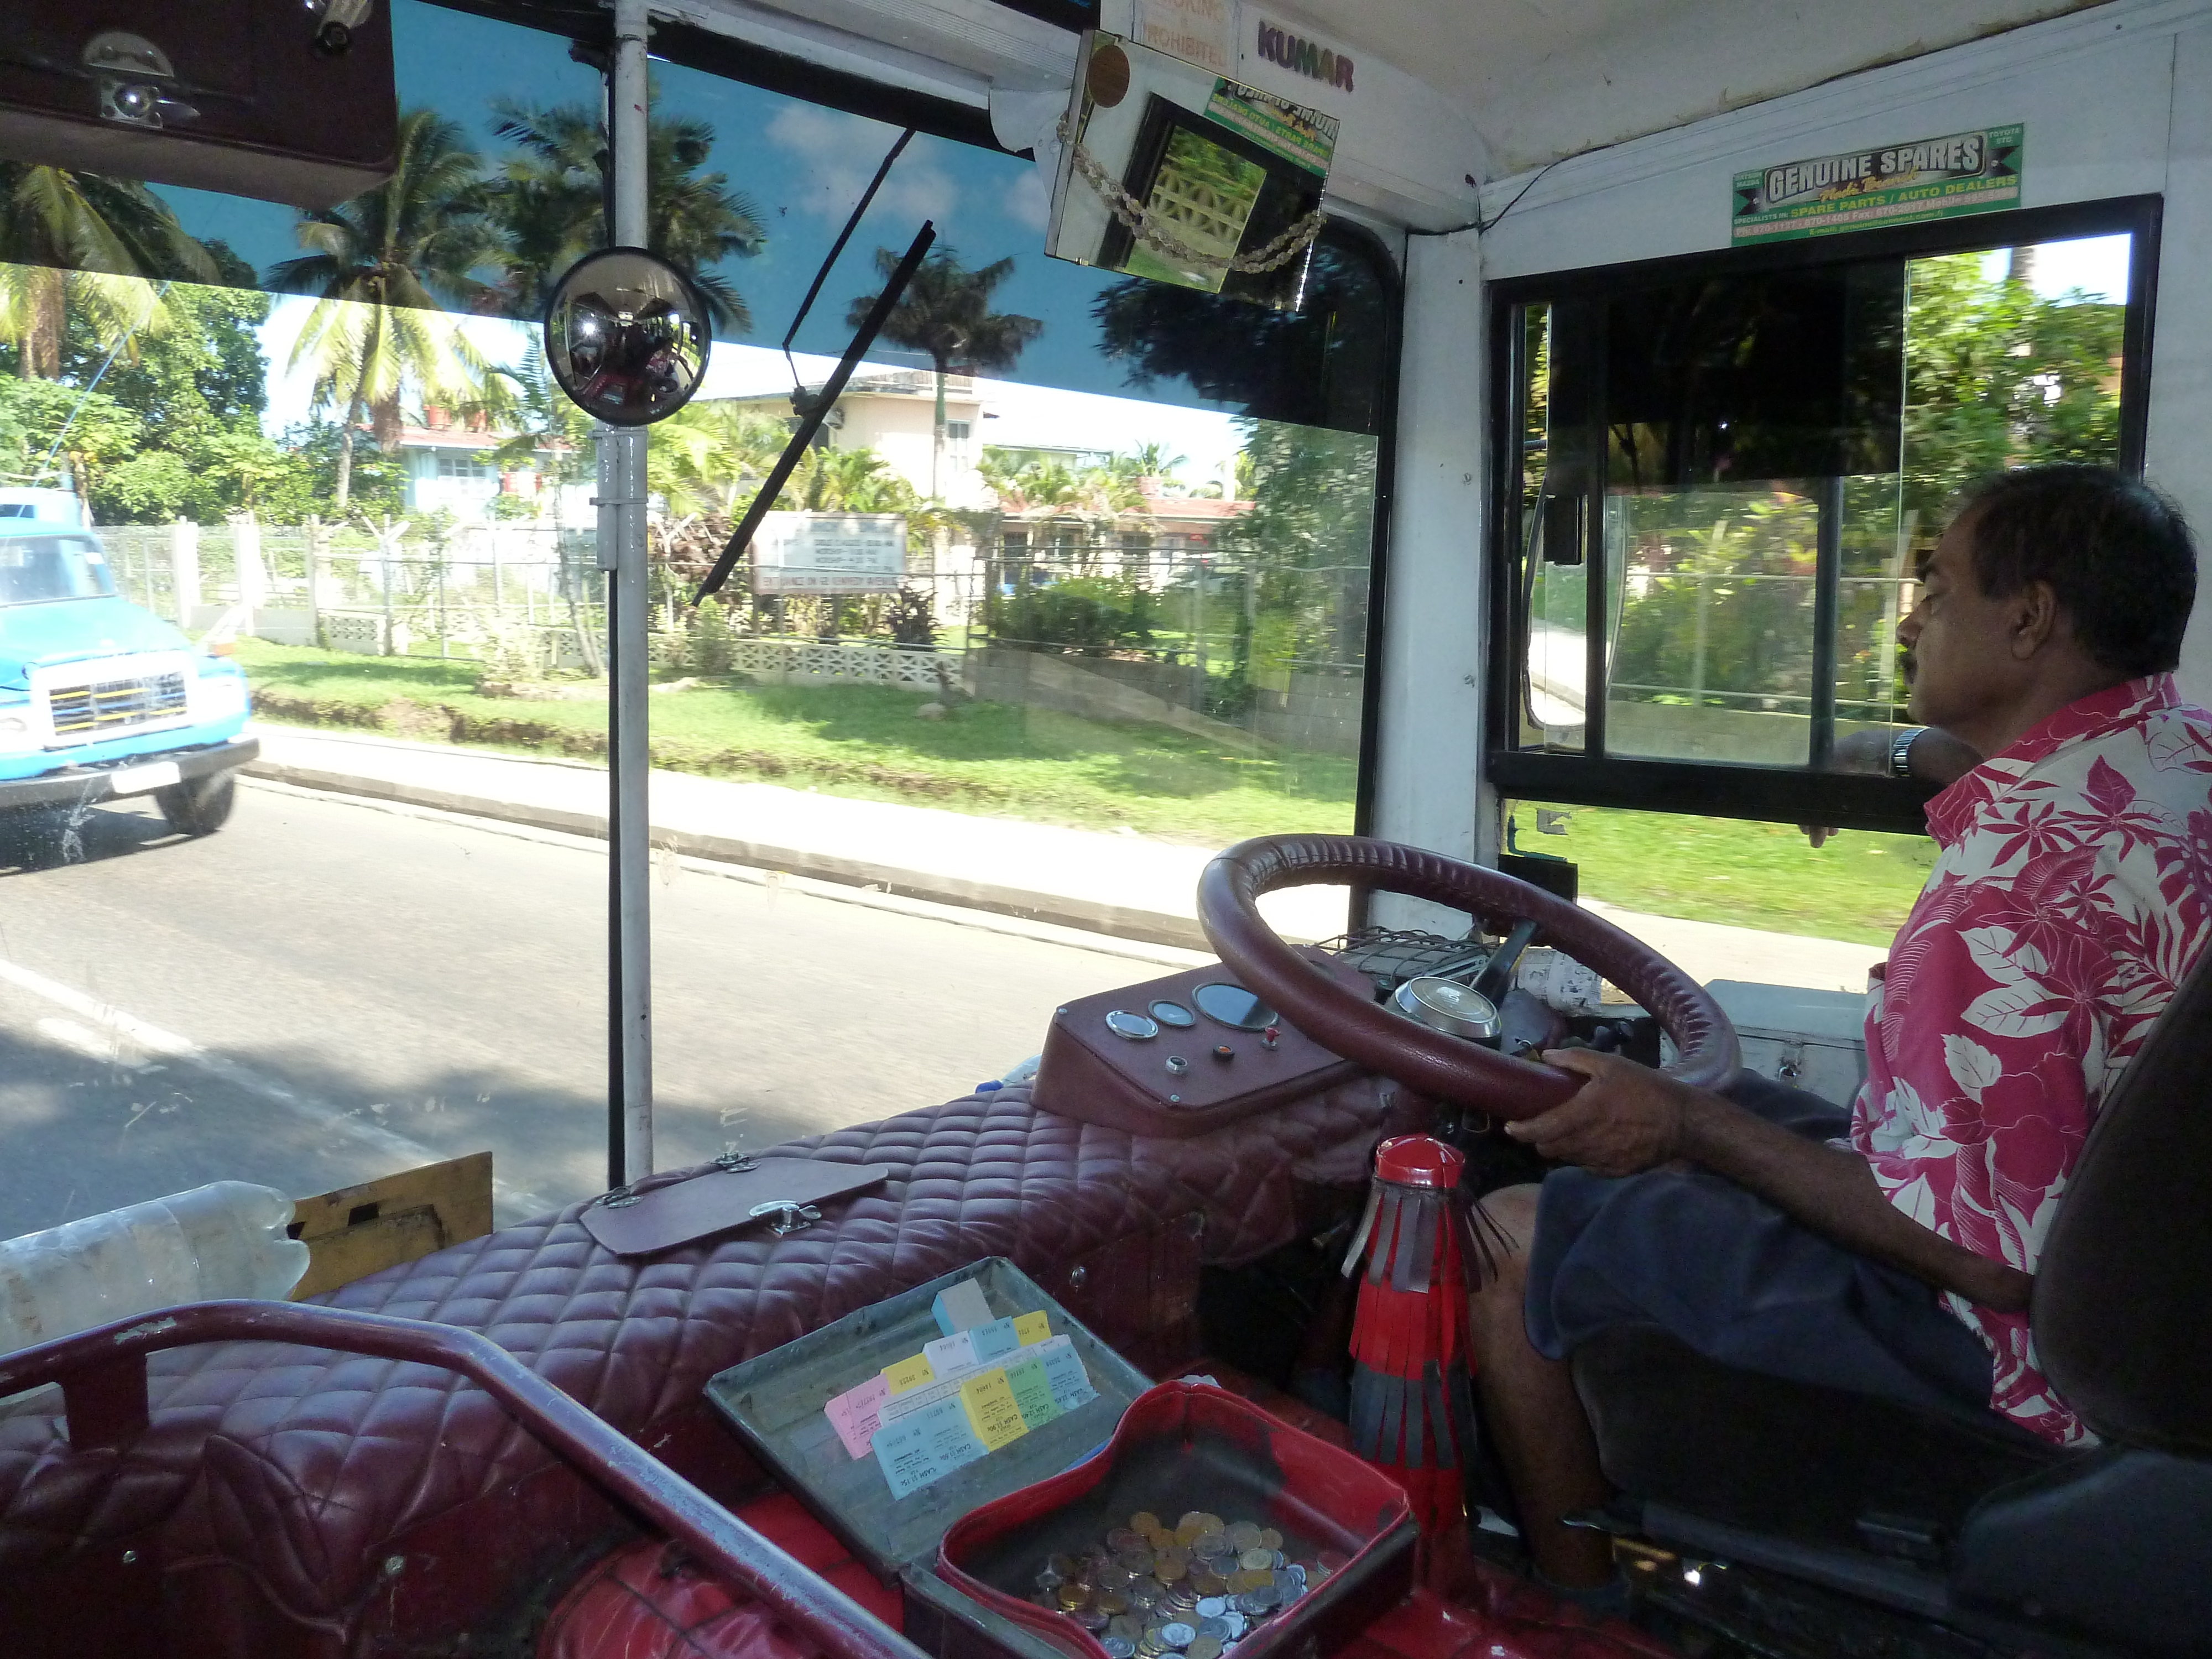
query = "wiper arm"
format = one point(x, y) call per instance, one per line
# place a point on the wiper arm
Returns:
point(817, 410)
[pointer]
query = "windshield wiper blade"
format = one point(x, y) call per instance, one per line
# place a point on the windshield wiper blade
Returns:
point(817, 410)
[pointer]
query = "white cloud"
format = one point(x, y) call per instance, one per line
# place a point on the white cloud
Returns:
point(838, 155)
point(1028, 203)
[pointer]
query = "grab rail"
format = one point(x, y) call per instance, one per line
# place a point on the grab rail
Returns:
point(102, 1373)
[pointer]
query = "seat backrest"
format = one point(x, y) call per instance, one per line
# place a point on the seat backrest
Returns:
point(2123, 1312)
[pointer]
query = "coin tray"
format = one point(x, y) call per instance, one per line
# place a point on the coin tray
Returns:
point(1188, 1446)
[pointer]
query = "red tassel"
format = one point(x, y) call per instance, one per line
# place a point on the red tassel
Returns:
point(1411, 1405)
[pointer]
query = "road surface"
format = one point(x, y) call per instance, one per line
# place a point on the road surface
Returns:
point(326, 991)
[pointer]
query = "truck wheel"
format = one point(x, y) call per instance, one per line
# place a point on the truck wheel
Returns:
point(200, 807)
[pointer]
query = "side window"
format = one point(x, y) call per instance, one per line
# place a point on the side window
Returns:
point(1723, 476)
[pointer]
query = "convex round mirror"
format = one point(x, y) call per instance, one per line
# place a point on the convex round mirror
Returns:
point(627, 337)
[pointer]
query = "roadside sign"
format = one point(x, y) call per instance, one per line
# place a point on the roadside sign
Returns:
point(830, 553)
point(1945, 178)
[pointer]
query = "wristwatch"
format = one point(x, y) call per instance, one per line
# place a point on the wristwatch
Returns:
point(1900, 751)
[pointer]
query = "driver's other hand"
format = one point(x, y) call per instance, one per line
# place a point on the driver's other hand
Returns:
point(1817, 834)
point(1626, 1119)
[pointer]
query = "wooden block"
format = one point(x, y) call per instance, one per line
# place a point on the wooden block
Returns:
point(357, 1230)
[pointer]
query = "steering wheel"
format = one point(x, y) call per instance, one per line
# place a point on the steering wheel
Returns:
point(1444, 1067)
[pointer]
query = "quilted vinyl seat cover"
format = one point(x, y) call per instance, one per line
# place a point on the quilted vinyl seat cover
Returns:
point(296, 1463)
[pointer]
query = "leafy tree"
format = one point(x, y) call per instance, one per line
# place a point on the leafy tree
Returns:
point(378, 266)
point(549, 201)
point(1308, 538)
point(79, 241)
point(713, 457)
point(1316, 363)
point(1996, 377)
point(62, 433)
point(946, 313)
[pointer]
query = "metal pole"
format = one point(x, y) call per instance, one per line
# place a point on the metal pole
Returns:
point(621, 555)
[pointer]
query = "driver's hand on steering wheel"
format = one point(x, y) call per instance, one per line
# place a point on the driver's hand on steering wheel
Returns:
point(1628, 1118)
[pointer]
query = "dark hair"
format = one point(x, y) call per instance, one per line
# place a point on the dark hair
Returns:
point(2117, 553)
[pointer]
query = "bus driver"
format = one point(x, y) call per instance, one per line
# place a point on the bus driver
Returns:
point(1892, 1249)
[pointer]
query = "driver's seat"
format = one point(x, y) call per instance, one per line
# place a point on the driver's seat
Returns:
point(1968, 1519)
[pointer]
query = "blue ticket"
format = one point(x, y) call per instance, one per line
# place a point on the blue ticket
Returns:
point(926, 1446)
point(995, 1339)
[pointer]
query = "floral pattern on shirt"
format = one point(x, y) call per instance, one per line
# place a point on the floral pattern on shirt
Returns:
point(2067, 901)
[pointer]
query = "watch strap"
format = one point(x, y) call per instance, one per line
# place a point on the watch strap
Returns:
point(1900, 751)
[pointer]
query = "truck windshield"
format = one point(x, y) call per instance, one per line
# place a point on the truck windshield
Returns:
point(36, 569)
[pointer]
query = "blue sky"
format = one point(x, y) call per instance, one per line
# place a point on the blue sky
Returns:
point(803, 166)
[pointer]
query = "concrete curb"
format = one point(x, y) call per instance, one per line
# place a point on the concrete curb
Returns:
point(1115, 922)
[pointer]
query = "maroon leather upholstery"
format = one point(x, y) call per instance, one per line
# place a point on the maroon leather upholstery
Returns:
point(1446, 1067)
point(296, 1465)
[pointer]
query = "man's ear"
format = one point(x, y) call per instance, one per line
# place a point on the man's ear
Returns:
point(2037, 619)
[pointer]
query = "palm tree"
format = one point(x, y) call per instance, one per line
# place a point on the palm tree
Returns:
point(548, 200)
point(946, 311)
point(379, 267)
point(82, 242)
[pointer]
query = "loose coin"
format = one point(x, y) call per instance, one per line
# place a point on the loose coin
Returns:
point(1112, 1576)
point(1111, 1601)
point(1143, 1520)
point(1212, 1607)
point(1243, 1534)
point(1256, 1559)
point(1237, 1622)
point(1215, 1626)
point(1178, 1634)
point(1118, 1647)
point(1167, 1570)
point(1139, 1562)
point(1091, 1620)
point(1144, 1593)
point(1270, 1538)
point(1072, 1597)
point(1126, 1624)
point(1211, 1544)
point(1204, 1647)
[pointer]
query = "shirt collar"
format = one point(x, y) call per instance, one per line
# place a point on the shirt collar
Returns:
point(1952, 812)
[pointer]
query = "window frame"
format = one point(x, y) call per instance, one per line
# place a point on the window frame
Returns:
point(1725, 789)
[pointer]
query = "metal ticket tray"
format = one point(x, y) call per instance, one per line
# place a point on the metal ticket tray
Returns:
point(775, 1400)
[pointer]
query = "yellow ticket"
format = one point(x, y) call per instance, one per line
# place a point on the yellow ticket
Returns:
point(992, 1412)
point(910, 1373)
point(1031, 1327)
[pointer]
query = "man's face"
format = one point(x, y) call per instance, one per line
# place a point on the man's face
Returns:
point(1958, 643)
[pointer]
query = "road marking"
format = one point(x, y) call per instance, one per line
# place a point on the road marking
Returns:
point(519, 1203)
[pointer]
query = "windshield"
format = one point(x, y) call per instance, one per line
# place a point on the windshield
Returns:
point(36, 569)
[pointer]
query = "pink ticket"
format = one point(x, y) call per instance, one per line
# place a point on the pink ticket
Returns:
point(853, 1414)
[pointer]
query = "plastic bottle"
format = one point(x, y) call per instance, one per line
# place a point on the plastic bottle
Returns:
point(225, 1239)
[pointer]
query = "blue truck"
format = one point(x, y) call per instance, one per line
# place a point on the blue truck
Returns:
point(99, 698)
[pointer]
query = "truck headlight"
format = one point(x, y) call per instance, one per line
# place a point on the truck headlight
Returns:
point(221, 695)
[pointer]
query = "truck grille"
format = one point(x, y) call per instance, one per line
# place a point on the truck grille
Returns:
point(81, 711)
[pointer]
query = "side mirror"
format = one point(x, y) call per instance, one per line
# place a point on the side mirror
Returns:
point(627, 337)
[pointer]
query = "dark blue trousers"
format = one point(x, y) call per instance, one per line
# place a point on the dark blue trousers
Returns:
point(1727, 1274)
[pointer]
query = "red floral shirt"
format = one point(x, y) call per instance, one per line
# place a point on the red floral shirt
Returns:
point(2067, 901)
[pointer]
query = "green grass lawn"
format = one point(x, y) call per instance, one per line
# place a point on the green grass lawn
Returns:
point(1858, 887)
point(996, 759)
point(1007, 760)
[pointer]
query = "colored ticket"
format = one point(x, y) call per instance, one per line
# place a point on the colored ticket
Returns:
point(854, 1414)
point(949, 1356)
point(992, 1412)
point(961, 1309)
point(1063, 1370)
point(1032, 1328)
point(995, 1340)
point(926, 1446)
point(909, 1373)
point(1032, 1392)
